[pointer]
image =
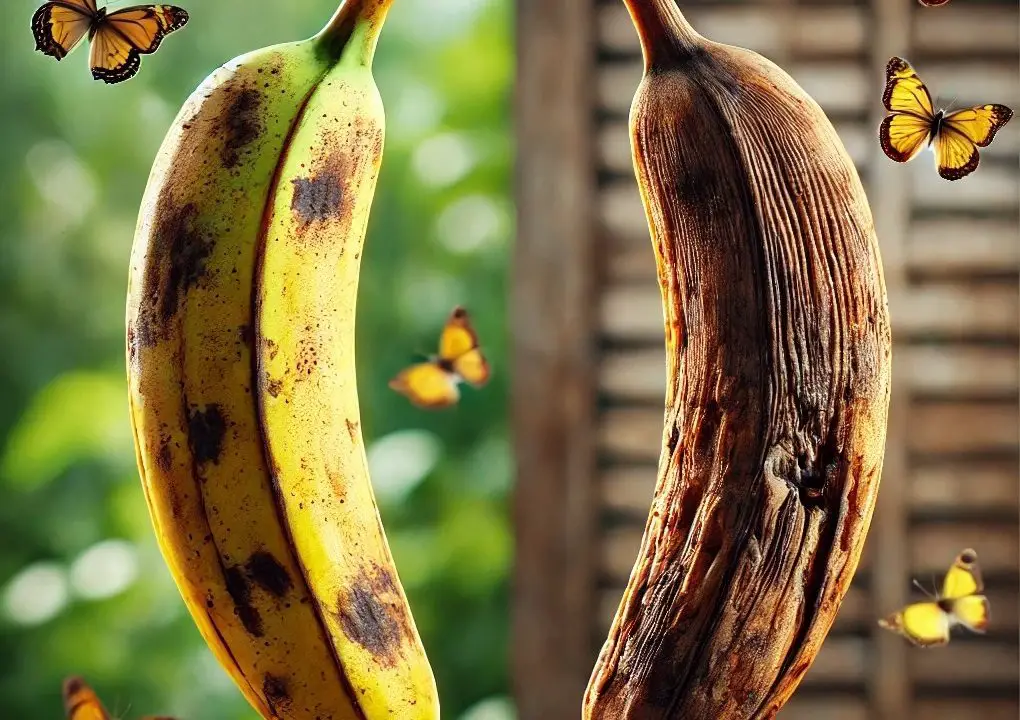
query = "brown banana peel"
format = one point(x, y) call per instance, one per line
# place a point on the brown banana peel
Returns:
point(779, 352)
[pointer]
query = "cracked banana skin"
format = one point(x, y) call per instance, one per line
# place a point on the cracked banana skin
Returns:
point(243, 396)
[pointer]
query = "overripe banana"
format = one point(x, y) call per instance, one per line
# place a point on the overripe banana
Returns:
point(240, 345)
point(778, 346)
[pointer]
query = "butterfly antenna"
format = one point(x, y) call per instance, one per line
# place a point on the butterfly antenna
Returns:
point(922, 588)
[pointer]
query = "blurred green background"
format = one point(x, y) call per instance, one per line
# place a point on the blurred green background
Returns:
point(83, 588)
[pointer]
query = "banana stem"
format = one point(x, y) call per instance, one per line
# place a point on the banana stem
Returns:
point(352, 34)
point(662, 28)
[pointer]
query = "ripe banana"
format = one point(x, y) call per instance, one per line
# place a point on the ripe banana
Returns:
point(778, 346)
point(240, 349)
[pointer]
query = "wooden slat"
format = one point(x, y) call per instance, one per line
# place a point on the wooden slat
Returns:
point(961, 487)
point(962, 246)
point(947, 370)
point(964, 427)
point(985, 310)
point(968, 663)
point(971, 708)
point(992, 188)
point(961, 370)
point(967, 28)
point(627, 490)
point(931, 549)
point(802, 706)
point(842, 660)
point(633, 313)
point(934, 545)
point(810, 30)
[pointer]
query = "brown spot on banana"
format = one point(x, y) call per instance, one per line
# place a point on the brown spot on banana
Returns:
point(164, 458)
point(267, 572)
point(370, 616)
point(239, 589)
point(318, 198)
point(778, 385)
point(242, 124)
point(175, 238)
point(206, 430)
point(353, 427)
point(277, 695)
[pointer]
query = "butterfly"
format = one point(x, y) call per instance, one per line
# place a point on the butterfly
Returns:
point(928, 623)
point(118, 39)
point(82, 703)
point(433, 384)
point(913, 124)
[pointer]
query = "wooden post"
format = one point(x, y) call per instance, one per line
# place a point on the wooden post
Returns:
point(889, 192)
point(553, 359)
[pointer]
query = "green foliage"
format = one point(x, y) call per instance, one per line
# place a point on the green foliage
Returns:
point(73, 164)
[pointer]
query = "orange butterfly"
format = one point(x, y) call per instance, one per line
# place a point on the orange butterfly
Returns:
point(433, 384)
point(82, 703)
point(118, 39)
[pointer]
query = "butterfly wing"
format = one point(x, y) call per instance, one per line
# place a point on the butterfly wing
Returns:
point(971, 612)
point(473, 367)
point(979, 124)
point(458, 346)
point(81, 702)
point(59, 26)
point(427, 386)
point(963, 578)
point(458, 336)
point(124, 36)
point(903, 135)
point(907, 130)
point(904, 91)
point(924, 624)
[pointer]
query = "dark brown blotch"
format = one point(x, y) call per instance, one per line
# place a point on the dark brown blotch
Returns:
point(274, 387)
point(277, 695)
point(164, 459)
point(370, 615)
point(240, 592)
point(176, 264)
point(241, 124)
point(267, 572)
point(352, 429)
point(319, 197)
point(206, 429)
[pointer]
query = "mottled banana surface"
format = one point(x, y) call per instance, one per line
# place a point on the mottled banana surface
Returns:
point(778, 346)
point(240, 344)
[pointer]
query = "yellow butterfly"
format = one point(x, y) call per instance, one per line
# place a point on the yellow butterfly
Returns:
point(118, 39)
point(913, 124)
point(433, 384)
point(960, 603)
point(82, 703)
